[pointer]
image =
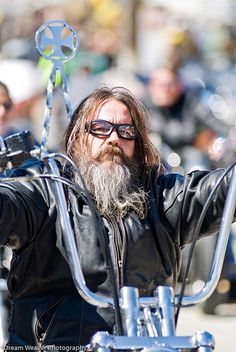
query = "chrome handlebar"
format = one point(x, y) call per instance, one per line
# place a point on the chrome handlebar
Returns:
point(217, 263)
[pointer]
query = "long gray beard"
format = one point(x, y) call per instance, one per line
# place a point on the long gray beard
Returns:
point(114, 189)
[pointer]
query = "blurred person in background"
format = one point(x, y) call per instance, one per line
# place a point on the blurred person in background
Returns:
point(26, 92)
point(180, 116)
point(5, 110)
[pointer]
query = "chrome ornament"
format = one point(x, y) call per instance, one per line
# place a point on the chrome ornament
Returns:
point(56, 41)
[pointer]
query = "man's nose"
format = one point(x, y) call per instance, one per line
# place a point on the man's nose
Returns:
point(113, 138)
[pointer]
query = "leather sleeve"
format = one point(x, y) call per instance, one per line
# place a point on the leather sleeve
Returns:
point(23, 209)
point(184, 198)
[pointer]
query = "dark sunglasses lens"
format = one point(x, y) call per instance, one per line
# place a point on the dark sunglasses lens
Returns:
point(100, 128)
point(127, 131)
point(103, 128)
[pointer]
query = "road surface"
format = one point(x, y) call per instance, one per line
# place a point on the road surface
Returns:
point(223, 328)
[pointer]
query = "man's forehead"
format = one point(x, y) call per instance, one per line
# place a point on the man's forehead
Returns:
point(111, 106)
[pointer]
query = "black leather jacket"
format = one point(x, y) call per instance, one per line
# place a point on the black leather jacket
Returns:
point(46, 307)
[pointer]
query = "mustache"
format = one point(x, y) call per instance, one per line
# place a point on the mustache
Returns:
point(116, 155)
point(112, 153)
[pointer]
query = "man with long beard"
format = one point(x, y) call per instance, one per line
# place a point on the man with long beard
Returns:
point(147, 216)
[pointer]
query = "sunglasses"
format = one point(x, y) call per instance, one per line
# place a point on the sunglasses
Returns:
point(105, 128)
point(7, 105)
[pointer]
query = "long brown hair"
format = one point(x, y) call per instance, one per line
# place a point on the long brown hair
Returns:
point(75, 142)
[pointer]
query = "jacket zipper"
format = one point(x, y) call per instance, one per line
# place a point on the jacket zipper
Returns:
point(114, 245)
point(36, 326)
point(123, 249)
point(118, 240)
